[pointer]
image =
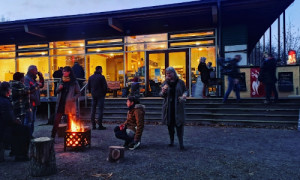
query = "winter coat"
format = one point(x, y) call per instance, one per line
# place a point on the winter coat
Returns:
point(78, 71)
point(97, 85)
point(205, 72)
point(20, 98)
point(30, 82)
point(135, 120)
point(180, 89)
point(72, 96)
point(267, 73)
point(7, 117)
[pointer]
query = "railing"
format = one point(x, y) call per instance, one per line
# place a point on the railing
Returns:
point(52, 98)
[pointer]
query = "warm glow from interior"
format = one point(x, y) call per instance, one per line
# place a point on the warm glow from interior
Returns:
point(106, 41)
point(209, 33)
point(33, 46)
point(192, 43)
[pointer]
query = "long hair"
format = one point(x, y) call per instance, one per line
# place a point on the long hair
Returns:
point(171, 69)
point(72, 76)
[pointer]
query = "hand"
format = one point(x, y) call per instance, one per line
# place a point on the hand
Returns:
point(236, 81)
point(182, 98)
point(165, 88)
point(122, 126)
point(40, 74)
point(60, 87)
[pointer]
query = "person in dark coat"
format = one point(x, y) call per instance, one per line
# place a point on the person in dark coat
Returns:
point(132, 129)
point(233, 79)
point(68, 92)
point(20, 98)
point(205, 75)
point(11, 128)
point(30, 81)
point(135, 88)
point(79, 73)
point(57, 75)
point(267, 76)
point(174, 93)
point(97, 86)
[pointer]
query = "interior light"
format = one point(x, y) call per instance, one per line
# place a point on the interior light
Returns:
point(197, 43)
point(162, 46)
point(111, 54)
point(70, 52)
point(200, 49)
point(81, 45)
point(43, 53)
point(153, 40)
point(98, 50)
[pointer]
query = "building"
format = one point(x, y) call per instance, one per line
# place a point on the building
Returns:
point(139, 42)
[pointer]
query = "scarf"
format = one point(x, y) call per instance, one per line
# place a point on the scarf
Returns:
point(66, 79)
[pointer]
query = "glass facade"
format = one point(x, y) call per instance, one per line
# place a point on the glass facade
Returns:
point(122, 59)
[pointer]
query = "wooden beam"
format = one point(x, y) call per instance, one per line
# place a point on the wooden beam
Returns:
point(115, 24)
point(34, 31)
point(214, 13)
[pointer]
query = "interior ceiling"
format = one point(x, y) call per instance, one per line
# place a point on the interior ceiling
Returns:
point(257, 15)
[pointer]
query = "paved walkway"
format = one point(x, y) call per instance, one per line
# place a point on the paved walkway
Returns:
point(212, 153)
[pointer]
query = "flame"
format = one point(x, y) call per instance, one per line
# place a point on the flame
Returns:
point(75, 126)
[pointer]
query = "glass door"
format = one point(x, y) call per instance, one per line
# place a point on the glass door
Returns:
point(158, 61)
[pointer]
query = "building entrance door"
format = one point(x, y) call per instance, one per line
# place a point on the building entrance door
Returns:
point(158, 61)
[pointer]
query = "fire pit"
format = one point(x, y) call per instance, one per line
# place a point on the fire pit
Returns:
point(77, 136)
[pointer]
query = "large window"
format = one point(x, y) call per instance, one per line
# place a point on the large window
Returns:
point(7, 62)
point(112, 67)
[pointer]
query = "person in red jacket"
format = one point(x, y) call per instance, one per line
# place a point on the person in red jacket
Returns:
point(132, 129)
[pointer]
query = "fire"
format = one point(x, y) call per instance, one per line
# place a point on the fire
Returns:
point(75, 126)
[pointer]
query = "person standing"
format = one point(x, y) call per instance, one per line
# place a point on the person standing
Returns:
point(132, 129)
point(11, 128)
point(68, 92)
point(97, 86)
point(20, 98)
point(233, 78)
point(57, 75)
point(174, 93)
point(205, 75)
point(135, 88)
point(79, 73)
point(30, 81)
point(267, 76)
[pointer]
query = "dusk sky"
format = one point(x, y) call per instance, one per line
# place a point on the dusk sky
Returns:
point(28, 9)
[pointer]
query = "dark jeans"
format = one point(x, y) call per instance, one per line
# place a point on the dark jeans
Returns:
point(232, 86)
point(57, 120)
point(270, 87)
point(121, 134)
point(179, 130)
point(100, 103)
point(33, 118)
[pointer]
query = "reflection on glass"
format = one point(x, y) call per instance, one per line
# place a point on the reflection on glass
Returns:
point(67, 44)
point(146, 46)
point(104, 41)
point(33, 46)
point(7, 55)
point(189, 35)
point(100, 49)
point(67, 51)
point(146, 38)
point(34, 53)
point(62, 61)
point(7, 69)
point(177, 60)
point(192, 43)
point(7, 48)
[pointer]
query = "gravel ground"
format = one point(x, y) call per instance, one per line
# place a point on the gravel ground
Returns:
point(212, 153)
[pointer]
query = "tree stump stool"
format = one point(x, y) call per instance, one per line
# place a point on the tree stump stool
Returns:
point(61, 131)
point(116, 153)
point(42, 157)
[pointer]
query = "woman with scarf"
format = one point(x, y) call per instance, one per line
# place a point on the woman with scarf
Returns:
point(67, 93)
point(174, 93)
